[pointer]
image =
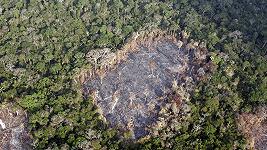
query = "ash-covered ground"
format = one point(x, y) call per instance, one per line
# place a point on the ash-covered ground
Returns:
point(261, 141)
point(13, 133)
point(131, 94)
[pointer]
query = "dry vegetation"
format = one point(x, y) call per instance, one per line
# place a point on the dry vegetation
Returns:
point(193, 67)
point(44, 43)
point(254, 127)
point(103, 59)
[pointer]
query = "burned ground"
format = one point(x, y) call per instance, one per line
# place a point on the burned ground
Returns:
point(254, 127)
point(13, 132)
point(131, 95)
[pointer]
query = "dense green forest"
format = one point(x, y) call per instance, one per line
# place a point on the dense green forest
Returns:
point(43, 46)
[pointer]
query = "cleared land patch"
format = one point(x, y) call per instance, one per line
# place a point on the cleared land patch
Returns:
point(132, 93)
point(254, 127)
point(13, 132)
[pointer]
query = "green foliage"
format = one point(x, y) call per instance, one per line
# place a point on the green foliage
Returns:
point(43, 44)
point(33, 102)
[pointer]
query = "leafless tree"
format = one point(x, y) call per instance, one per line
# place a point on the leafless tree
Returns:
point(179, 44)
point(115, 99)
point(152, 66)
point(131, 98)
